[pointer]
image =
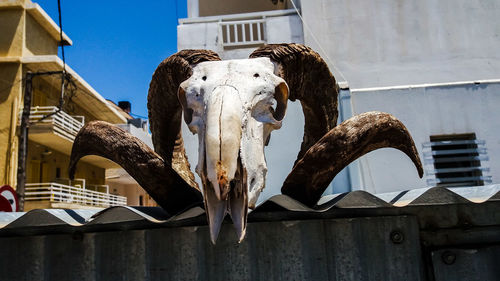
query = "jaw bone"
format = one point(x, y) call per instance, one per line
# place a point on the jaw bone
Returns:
point(236, 205)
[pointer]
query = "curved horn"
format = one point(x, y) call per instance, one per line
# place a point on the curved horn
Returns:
point(158, 178)
point(165, 110)
point(342, 145)
point(309, 81)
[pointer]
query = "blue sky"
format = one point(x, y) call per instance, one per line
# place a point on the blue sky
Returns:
point(118, 44)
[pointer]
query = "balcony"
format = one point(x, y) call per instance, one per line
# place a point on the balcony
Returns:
point(60, 122)
point(236, 35)
point(57, 195)
point(57, 130)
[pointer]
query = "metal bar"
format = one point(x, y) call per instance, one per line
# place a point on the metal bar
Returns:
point(453, 142)
point(243, 44)
point(481, 150)
point(251, 31)
point(456, 159)
point(243, 34)
point(235, 28)
point(243, 21)
point(458, 170)
point(263, 31)
point(258, 31)
point(462, 179)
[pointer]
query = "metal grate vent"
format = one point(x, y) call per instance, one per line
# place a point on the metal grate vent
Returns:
point(456, 160)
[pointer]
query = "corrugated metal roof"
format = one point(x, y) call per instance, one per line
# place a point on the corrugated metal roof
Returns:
point(458, 205)
point(423, 234)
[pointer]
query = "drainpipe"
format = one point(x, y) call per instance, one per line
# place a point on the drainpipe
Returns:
point(23, 140)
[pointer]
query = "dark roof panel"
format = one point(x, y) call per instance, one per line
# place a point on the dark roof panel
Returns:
point(476, 203)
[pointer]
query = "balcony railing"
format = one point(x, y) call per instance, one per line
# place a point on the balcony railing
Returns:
point(243, 32)
point(61, 122)
point(240, 30)
point(60, 193)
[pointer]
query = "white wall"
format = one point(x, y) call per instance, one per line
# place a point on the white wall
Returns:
point(138, 133)
point(426, 111)
point(394, 42)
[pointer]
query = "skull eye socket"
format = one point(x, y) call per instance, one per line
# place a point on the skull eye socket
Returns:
point(204, 78)
point(256, 75)
point(272, 109)
point(281, 96)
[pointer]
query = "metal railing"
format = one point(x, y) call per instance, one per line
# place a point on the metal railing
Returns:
point(242, 32)
point(56, 192)
point(62, 123)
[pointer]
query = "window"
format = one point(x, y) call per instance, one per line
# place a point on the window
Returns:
point(456, 160)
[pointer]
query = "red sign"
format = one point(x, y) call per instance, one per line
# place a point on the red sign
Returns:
point(8, 199)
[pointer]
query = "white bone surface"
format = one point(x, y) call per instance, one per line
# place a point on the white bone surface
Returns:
point(230, 102)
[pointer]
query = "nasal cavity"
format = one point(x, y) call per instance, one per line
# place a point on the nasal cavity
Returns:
point(224, 186)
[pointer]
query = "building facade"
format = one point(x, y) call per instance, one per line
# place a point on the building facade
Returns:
point(29, 43)
point(432, 64)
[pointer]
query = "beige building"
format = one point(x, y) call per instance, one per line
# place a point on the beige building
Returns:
point(29, 41)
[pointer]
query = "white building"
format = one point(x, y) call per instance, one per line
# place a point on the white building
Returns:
point(434, 64)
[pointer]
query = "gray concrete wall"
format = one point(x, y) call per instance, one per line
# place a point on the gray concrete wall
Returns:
point(392, 42)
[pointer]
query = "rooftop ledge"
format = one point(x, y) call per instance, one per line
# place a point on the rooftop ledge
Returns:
point(89, 97)
point(471, 202)
point(40, 16)
point(428, 85)
point(244, 16)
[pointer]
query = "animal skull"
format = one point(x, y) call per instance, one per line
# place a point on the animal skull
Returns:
point(233, 106)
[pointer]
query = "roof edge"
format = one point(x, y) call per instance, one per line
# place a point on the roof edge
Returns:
point(428, 85)
point(47, 23)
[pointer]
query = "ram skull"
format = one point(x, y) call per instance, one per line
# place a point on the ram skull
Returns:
point(233, 106)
